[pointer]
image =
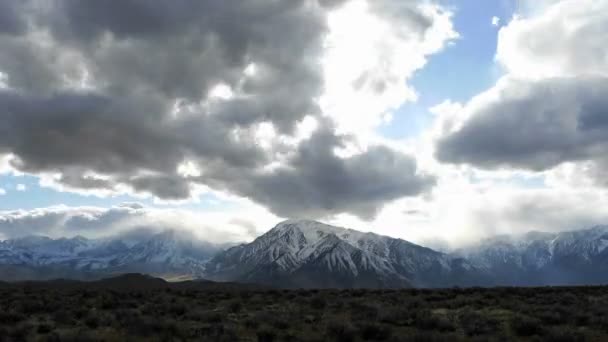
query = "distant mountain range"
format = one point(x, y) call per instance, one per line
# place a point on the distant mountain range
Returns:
point(170, 254)
point(306, 253)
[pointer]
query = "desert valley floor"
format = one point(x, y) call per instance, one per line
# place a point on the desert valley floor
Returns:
point(141, 308)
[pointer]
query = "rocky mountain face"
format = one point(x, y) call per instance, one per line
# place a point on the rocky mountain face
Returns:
point(167, 254)
point(311, 254)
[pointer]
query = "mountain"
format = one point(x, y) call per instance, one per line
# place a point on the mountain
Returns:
point(302, 253)
point(311, 254)
point(567, 258)
point(170, 254)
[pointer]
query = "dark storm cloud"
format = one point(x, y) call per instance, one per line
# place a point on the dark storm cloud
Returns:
point(11, 19)
point(182, 48)
point(122, 89)
point(165, 187)
point(534, 125)
point(317, 183)
point(110, 135)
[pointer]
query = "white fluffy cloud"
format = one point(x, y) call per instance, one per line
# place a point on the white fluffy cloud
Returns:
point(495, 21)
point(550, 108)
point(566, 39)
point(528, 153)
point(373, 49)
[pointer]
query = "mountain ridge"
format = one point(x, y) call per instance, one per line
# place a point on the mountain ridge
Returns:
point(167, 254)
point(306, 253)
point(297, 252)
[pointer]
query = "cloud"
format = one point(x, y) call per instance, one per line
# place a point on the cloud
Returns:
point(396, 37)
point(2, 192)
point(115, 97)
point(21, 187)
point(495, 21)
point(550, 109)
point(96, 222)
point(532, 125)
point(11, 19)
point(527, 47)
point(318, 184)
point(460, 213)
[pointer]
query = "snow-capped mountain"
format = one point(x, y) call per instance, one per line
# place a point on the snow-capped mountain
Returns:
point(167, 254)
point(311, 254)
point(576, 257)
point(301, 253)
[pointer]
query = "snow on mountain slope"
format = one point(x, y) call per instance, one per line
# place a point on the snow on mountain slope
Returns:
point(168, 253)
point(576, 257)
point(301, 252)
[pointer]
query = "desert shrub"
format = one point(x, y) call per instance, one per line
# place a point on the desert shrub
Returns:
point(395, 315)
point(375, 332)
point(109, 303)
point(210, 331)
point(279, 323)
point(211, 317)
point(582, 319)
point(4, 332)
point(196, 315)
point(63, 316)
point(44, 328)
point(473, 323)
point(414, 303)
point(251, 323)
point(444, 323)
point(290, 295)
point(364, 311)
point(339, 331)
point(80, 313)
point(318, 303)
point(568, 299)
point(560, 334)
point(266, 334)
point(235, 306)
point(142, 326)
point(425, 320)
point(21, 332)
point(526, 326)
point(11, 317)
point(600, 322)
point(31, 306)
point(229, 335)
point(552, 315)
point(92, 320)
point(76, 335)
point(433, 336)
point(177, 309)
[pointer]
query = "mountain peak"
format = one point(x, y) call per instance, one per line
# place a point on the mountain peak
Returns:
point(298, 223)
point(310, 253)
point(310, 229)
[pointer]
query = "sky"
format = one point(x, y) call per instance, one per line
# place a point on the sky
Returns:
point(442, 122)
